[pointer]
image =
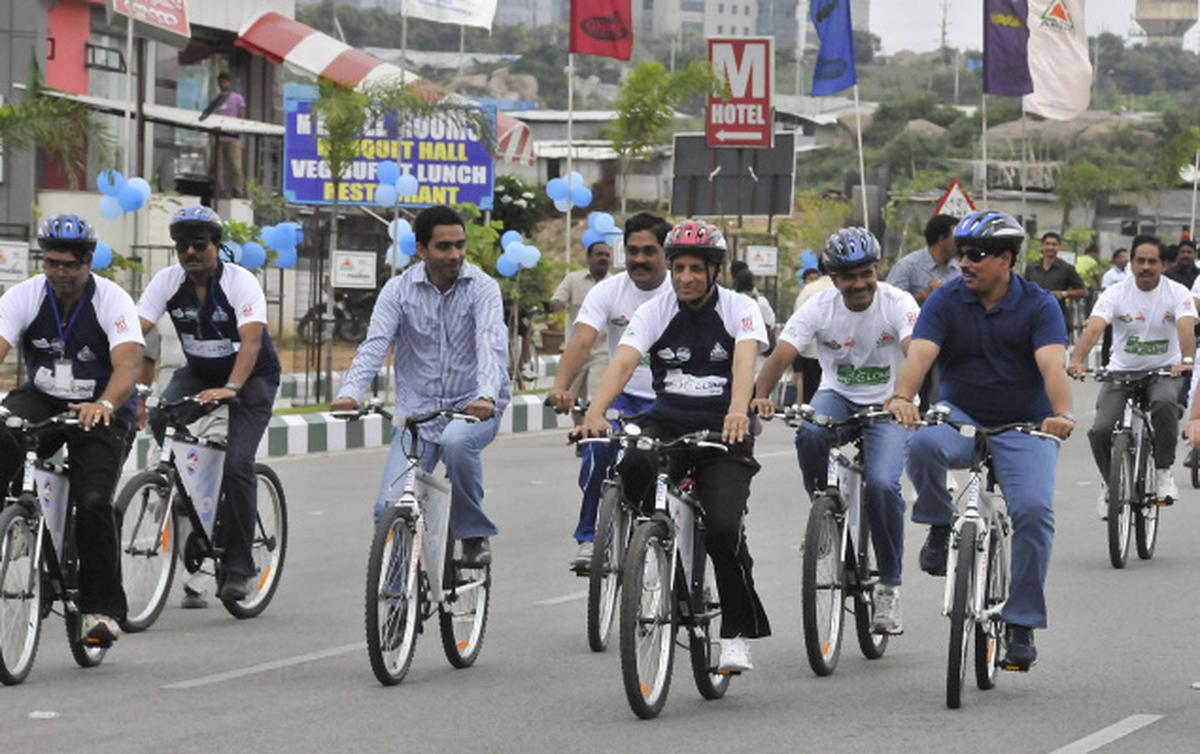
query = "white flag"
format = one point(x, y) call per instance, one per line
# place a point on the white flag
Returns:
point(458, 12)
point(1058, 59)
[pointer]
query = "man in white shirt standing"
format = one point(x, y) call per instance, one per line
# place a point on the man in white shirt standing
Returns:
point(1118, 272)
point(569, 295)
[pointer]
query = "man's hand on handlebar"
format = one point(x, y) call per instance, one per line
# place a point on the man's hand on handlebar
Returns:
point(562, 400)
point(764, 407)
point(737, 426)
point(482, 409)
point(215, 395)
point(91, 414)
point(1059, 426)
point(1179, 369)
point(594, 426)
point(1076, 370)
point(343, 405)
point(904, 410)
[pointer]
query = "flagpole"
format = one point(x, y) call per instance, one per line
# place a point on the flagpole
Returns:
point(1024, 165)
point(862, 170)
point(1195, 178)
point(801, 40)
point(570, 144)
point(404, 41)
point(983, 138)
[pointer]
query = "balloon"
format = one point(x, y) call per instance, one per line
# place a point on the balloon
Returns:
point(408, 243)
point(592, 236)
point(605, 222)
point(387, 172)
point(557, 189)
point(592, 217)
point(130, 198)
point(286, 258)
point(581, 196)
point(143, 187)
point(268, 237)
point(530, 257)
point(253, 255)
point(506, 267)
point(406, 185)
point(509, 238)
point(234, 249)
point(514, 252)
point(110, 182)
point(576, 179)
point(562, 204)
point(401, 260)
point(297, 233)
point(102, 256)
point(398, 227)
point(110, 207)
point(385, 195)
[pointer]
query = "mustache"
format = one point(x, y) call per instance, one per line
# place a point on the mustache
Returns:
point(639, 266)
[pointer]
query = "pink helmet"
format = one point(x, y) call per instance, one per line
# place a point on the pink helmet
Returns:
point(697, 238)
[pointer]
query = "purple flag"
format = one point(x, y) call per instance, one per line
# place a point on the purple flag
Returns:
point(1006, 48)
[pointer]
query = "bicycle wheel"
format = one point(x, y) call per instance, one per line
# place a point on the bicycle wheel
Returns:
point(147, 548)
point(269, 546)
point(960, 616)
point(463, 615)
point(613, 523)
point(823, 585)
point(647, 629)
point(871, 644)
point(393, 597)
point(988, 633)
point(1145, 521)
point(1193, 463)
point(1120, 497)
point(704, 646)
point(86, 655)
point(20, 594)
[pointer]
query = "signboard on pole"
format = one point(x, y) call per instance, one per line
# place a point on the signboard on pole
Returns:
point(955, 202)
point(161, 20)
point(763, 261)
point(713, 182)
point(746, 65)
point(14, 262)
point(355, 269)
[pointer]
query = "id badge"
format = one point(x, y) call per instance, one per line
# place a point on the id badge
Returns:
point(64, 378)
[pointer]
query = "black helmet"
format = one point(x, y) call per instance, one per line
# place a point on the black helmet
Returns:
point(991, 231)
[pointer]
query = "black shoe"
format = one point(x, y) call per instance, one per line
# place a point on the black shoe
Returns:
point(935, 551)
point(475, 552)
point(235, 588)
point(1021, 652)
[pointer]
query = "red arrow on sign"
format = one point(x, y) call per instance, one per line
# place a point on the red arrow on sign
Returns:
point(743, 119)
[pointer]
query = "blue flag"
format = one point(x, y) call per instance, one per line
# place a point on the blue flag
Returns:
point(835, 57)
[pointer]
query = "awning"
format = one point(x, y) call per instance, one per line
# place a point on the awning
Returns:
point(175, 116)
point(302, 48)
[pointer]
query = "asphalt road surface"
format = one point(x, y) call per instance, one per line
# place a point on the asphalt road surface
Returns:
point(1117, 665)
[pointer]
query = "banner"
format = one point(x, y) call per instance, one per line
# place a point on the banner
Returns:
point(834, 70)
point(1005, 48)
point(450, 162)
point(1058, 59)
point(602, 27)
point(479, 13)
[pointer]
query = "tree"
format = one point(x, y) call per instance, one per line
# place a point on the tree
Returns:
point(60, 127)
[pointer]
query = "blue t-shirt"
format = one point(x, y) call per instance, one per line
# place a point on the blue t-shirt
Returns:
point(987, 357)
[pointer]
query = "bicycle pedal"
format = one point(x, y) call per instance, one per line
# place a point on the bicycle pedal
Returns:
point(1014, 668)
point(1165, 503)
point(91, 641)
point(729, 673)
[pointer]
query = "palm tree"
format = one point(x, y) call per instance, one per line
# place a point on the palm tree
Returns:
point(60, 127)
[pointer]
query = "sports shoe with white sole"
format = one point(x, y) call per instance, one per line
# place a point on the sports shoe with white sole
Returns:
point(887, 611)
point(1102, 502)
point(735, 655)
point(1164, 486)
point(102, 629)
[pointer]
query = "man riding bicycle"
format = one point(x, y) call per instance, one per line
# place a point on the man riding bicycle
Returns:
point(611, 304)
point(1001, 344)
point(220, 314)
point(702, 341)
point(82, 348)
point(445, 319)
point(1152, 318)
point(862, 329)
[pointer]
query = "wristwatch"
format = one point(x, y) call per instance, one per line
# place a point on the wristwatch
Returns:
point(235, 387)
point(1066, 415)
point(106, 403)
point(1187, 360)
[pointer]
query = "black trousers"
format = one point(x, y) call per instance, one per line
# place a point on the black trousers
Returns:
point(95, 460)
point(723, 486)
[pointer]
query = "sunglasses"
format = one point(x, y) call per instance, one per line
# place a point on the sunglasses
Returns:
point(974, 254)
point(73, 265)
point(197, 244)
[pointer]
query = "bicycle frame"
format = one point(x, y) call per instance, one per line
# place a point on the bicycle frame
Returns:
point(198, 477)
point(1136, 421)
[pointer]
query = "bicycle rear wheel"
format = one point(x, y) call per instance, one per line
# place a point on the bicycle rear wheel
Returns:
point(961, 618)
point(823, 585)
point(703, 643)
point(1120, 496)
point(613, 523)
point(20, 594)
point(871, 644)
point(463, 615)
point(647, 628)
point(988, 633)
point(269, 545)
point(1145, 520)
point(147, 548)
point(393, 599)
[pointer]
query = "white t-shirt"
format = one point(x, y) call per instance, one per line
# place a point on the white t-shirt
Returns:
point(238, 284)
point(1113, 276)
point(739, 316)
point(1145, 323)
point(860, 352)
point(610, 305)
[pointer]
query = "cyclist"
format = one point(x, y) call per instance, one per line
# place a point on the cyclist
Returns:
point(611, 304)
point(1152, 318)
point(220, 314)
point(82, 348)
point(444, 317)
point(1001, 344)
point(702, 340)
point(861, 329)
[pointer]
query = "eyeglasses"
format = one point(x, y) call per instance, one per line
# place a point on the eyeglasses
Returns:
point(975, 254)
point(73, 265)
point(198, 244)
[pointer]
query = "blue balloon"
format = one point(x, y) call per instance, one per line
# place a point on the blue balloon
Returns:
point(557, 189)
point(562, 204)
point(581, 196)
point(234, 249)
point(408, 243)
point(506, 266)
point(605, 222)
point(509, 238)
point(285, 259)
point(253, 255)
point(514, 252)
point(592, 217)
point(297, 233)
point(576, 179)
point(268, 237)
point(592, 236)
point(398, 227)
point(143, 187)
point(406, 185)
point(387, 172)
point(110, 182)
point(102, 256)
point(399, 260)
point(385, 195)
point(130, 199)
point(529, 256)
point(110, 207)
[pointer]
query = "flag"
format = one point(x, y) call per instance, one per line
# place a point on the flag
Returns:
point(602, 27)
point(478, 13)
point(1006, 48)
point(1058, 59)
point(834, 70)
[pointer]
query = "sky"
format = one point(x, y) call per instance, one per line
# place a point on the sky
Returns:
point(916, 24)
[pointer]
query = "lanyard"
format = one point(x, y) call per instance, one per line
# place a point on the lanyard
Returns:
point(209, 310)
point(64, 335)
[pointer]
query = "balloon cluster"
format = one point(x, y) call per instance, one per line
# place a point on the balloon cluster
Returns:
point(102, 256)
point(600, 224)
point(392, 185)
point(569, 192)
point(517, 255)
point(121, 195)
point(404, 243)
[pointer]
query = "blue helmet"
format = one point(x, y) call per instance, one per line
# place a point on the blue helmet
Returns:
point(67, 233)
point(850, 247)
point(991, 231)
point(189, 222)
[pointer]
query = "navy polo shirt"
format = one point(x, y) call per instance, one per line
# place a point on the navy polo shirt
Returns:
point(987, 359)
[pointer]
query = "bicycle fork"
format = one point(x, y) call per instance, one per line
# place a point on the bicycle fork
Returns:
point(975, 604)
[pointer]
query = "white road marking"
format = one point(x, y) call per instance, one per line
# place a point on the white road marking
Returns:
point(1105, 736)
point(573, 596)
point(775, 454)
point(265, 667)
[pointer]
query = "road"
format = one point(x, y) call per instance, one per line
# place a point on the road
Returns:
point(297, 679)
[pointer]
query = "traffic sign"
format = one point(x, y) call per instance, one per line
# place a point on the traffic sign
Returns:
point(955, 202)
point(710, 182)
point(746, 65)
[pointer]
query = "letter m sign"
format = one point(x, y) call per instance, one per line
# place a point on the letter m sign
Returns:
point(743, 118)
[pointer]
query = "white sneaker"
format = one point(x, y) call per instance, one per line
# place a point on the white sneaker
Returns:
point(1102, 502)
point(735, 655)
point(1164, 485)
point(100, 628)
point(887, 611)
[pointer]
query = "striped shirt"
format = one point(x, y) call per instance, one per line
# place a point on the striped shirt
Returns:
point(451, 348)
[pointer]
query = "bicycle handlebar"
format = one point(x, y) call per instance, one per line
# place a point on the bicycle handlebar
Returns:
point(940, 415)
point(1104, 374)
point(700, 439)
point(794, 415)
point(12, 421)
point(375, 406)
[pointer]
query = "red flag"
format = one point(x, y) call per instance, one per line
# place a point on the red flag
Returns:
point(602, 27)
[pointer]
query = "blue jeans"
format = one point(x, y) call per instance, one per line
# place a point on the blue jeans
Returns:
point(459, 447)
point(1024, 467)
point(597, 464)
point(884, 446)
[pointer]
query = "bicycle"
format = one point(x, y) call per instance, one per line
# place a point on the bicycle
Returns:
point(403, 580)
point(978, 562)
point(186, 485)
point(39, 563)
point(838, 561)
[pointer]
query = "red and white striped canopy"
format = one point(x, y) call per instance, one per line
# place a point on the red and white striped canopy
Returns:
point(288, 42)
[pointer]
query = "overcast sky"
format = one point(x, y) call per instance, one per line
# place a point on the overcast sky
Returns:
point(901, 25)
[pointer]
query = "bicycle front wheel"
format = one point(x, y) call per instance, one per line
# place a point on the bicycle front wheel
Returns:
point(1145, 523)
point(703, 642)
point(871, 644)
point(269, 545)
point(147, 548)
point(393, 597)
point(961, 618)
point(647, 629)
point(464, 613)
point(823, 585)
point(1120, 498)
point(613, 522)
point(20, 594)
point(988, 633)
